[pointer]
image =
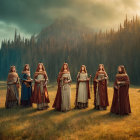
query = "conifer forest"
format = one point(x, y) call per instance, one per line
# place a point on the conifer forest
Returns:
point(68, 40)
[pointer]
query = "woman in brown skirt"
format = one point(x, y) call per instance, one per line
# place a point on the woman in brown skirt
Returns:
point(121, 103)
point(100, 89)
point(12, 96)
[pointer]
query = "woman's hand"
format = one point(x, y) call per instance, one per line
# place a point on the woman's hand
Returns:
point(28, 80)
point(115, 87)
point(88, 79)
point(118, 82)
point(45, 83)
point(102, 78)
point(37, 81)
point(66, 82)
point(97, 80)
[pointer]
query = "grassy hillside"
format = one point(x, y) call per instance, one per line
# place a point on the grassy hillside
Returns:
point(30, 124)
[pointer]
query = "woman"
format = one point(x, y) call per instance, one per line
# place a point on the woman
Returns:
point(121, 103)
point(26, 86)
point(12, 96)
point(100, 89)
point(40, 96)
point(82, 90)
point(62, 100)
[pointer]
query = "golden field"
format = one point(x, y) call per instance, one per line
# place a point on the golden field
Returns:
point(87, 124)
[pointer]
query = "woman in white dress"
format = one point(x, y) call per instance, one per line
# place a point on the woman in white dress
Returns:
point(82, 90)
point(62, 100)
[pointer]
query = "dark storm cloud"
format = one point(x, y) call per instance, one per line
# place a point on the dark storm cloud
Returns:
point(27, 13)
point(30, 16)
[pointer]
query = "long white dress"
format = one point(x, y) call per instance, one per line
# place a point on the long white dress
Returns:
point(65, 92)
point(41, 87)
point(82, 90)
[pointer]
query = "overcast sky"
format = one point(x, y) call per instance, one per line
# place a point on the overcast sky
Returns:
point(30, 16)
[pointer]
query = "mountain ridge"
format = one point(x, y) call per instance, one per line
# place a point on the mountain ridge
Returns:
point(67, 28)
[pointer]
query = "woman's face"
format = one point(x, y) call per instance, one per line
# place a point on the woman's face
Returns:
point(27, 67)
point(13, 69)
point(65, 67)
point(119, 69)
point(101, 67)
point(40, 66)
point(83, 68)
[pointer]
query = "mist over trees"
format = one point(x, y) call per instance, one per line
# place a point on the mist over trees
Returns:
point(67, 40)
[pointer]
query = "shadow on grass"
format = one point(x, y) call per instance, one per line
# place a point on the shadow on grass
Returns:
point(15, 111)
point(74, 113)
point(100, 114)
point(51, 122)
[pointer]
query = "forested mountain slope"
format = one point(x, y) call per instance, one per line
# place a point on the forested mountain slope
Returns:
point(67, 40)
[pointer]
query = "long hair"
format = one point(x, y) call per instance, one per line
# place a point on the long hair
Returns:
point(12, 68)
point(61, 71)
point(12, 73)
point(25, 67)
point(85, 70)
point(103, 69)
point(43, 68)
point(62, 68)
point(123, 71)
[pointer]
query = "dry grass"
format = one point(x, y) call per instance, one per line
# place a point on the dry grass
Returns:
point(30, 124)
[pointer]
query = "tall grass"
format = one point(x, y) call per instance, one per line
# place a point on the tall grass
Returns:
point(87, 124)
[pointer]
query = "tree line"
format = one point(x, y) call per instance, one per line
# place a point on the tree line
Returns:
point(71, 42)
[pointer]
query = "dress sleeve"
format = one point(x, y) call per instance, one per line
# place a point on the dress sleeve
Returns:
point(46, 76)
point(58, 78)
point(24, 77)
point(96, 76)
point(106, 76)
point(35, 75)
point(78, 76)
point(8, 79)
point(70, 78)
point(115, 83)
point(126, 81)
point(86, 75)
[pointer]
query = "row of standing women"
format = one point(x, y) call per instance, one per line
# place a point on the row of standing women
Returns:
point(40, 96)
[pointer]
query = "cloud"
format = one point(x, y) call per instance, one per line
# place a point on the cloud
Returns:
point(30, 16)
point(7, 31)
